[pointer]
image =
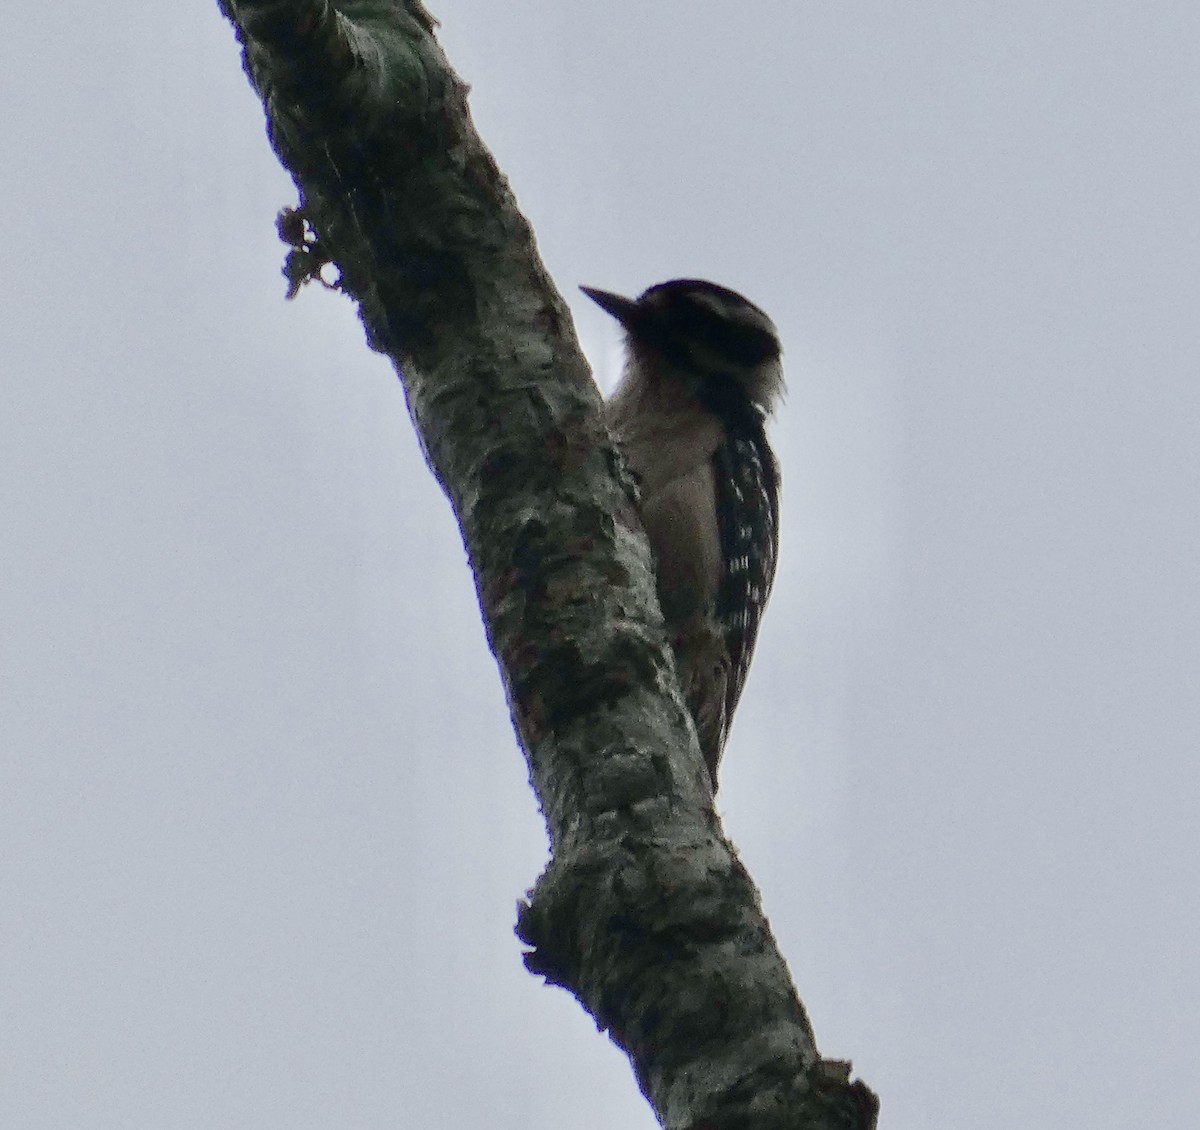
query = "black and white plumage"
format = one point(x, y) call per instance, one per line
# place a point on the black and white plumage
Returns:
point(702, 376)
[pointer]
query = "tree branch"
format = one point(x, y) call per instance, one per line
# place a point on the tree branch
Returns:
point(644, 911)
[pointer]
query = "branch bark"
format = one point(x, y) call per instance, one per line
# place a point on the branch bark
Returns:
point(644, 911)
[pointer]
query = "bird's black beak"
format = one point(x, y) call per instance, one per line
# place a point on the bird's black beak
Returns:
point(623, 309)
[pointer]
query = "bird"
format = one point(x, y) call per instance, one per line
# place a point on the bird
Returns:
point(703, 373)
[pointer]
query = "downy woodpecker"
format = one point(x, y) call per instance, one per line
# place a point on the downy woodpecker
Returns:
point(702, 375)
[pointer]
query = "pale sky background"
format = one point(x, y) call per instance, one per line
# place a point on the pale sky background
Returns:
point(263, 821)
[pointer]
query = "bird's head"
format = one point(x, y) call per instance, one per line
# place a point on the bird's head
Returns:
point(711, 334)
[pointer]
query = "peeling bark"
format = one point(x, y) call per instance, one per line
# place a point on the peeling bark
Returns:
point(644, 913)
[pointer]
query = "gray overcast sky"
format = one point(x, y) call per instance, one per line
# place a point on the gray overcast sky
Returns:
point(262, 817)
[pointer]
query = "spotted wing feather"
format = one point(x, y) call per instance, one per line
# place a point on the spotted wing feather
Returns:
point(748, 518)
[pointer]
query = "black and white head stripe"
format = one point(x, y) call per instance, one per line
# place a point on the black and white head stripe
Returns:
point(706, 330)
point(721, 320)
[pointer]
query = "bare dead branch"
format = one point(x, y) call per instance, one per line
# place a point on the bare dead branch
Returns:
point(644, 912)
